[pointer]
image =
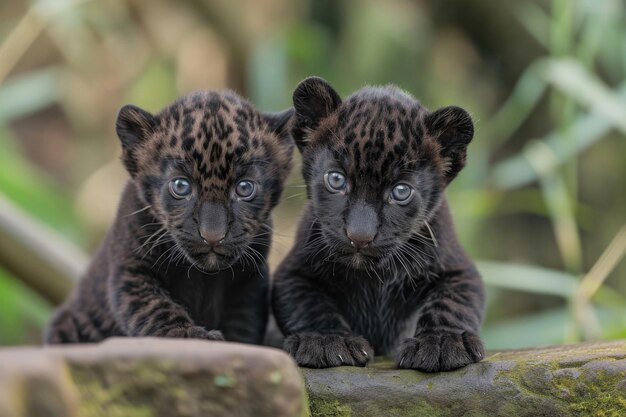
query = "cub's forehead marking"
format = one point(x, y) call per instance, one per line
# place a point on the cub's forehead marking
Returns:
point(214, 133)
point(379, 131)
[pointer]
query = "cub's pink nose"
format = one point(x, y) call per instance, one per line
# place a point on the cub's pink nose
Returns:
point(360, 240)
point(212, 237)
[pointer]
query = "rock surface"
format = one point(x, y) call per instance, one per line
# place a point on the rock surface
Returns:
point(150, 377)
point(577, 380)
point(170, 378)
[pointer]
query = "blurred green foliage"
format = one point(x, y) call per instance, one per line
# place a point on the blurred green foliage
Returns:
point(541, 203)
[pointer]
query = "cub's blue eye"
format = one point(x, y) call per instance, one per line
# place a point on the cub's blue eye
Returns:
point(180, 187)
point(246, 190)
point(335, 181)
point(402, 193)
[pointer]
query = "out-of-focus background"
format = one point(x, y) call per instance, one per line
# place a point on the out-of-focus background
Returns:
point(541, 205)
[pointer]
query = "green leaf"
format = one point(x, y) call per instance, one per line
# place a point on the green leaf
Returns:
point(526, 94)
point(528, 278)
point(33, 191)
point(560, 207)
point(544, 328)
point(536, 21)
point(517, 171)
point(23, 314)
point(575, 81)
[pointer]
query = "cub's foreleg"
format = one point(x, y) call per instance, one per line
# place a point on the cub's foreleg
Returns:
point(143, 308)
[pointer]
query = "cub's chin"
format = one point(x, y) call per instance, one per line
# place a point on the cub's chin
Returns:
point(210, 261)
point(214, 262)
point(362, 260)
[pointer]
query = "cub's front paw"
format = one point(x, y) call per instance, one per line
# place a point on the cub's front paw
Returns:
point(434, 351)
point(314, 350)
point(196, 332)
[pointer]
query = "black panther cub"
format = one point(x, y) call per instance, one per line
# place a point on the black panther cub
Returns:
point(376, 262)
point(185, 256)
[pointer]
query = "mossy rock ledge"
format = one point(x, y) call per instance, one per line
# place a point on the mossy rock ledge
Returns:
point(163, 377)
point(587, 379)
point(149, 377)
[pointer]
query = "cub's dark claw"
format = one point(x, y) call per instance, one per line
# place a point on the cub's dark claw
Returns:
point(314, 350)
point(434, 351)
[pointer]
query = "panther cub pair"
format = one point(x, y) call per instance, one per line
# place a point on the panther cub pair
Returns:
point(376, 263)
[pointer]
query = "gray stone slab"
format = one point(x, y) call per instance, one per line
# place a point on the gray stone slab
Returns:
point(587, 379)
point(150, 377)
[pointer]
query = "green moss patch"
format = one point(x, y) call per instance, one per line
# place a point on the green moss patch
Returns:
point(596, 395)
point(329, 408)
point(129, 391)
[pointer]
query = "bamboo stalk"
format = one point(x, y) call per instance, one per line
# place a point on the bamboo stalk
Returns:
point(37, 255)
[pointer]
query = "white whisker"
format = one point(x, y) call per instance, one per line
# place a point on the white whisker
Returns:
point(139, 211)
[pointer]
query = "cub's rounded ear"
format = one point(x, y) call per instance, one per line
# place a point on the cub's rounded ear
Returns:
point(133, 125)
point(280, 123)
point(453, 129)
point(314, 99)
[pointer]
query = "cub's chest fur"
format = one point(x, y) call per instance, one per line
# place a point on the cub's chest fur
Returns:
point(202, 294)
point(366, 305)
